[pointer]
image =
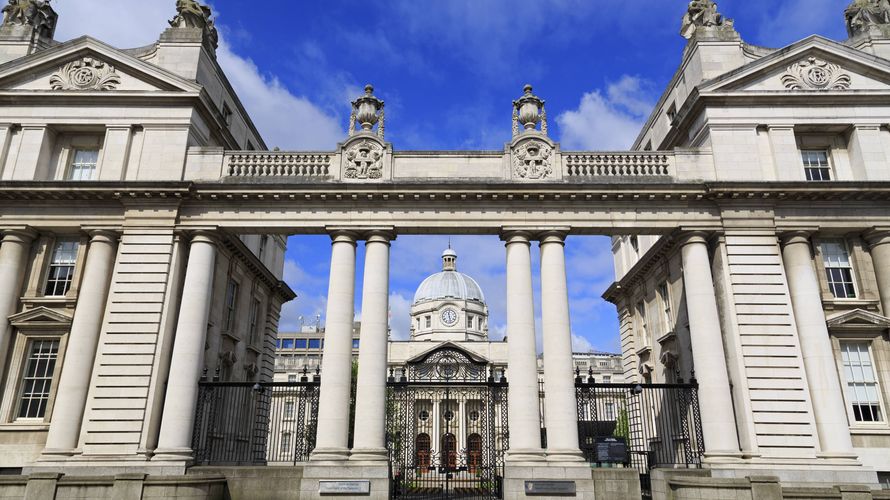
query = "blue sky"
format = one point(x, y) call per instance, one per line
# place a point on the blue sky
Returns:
point(448, 70)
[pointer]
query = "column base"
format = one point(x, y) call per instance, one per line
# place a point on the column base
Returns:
point(369, 454)
point(329, 455)
point(173, 455)
point(565, 456)
point(525, 455)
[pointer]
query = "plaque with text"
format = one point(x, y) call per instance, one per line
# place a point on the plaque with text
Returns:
point(611, 450)
point(550, 488)
point(344, 487)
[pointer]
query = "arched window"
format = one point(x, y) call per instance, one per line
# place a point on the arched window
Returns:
point(449, 451)
point(423, 452)
point(474, 452)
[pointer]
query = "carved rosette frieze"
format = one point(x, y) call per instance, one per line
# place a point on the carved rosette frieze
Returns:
point(363, 160)
point(533, 160)
point(816, 74)
point(85, 74)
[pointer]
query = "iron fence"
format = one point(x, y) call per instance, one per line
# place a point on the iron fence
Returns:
point(246, 423)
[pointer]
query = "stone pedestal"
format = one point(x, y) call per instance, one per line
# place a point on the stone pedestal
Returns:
point(516, 475)
point(375, 473)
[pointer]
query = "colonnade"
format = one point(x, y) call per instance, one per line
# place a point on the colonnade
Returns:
point(718, 419)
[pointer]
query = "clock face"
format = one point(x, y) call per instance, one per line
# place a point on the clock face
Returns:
point(449, 317)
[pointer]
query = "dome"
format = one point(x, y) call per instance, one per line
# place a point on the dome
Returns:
point(449, 284)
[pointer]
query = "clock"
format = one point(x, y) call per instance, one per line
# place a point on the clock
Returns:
point(449, 317)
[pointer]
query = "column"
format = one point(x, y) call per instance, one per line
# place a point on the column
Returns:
point(560, 405)
point(880, 257)
point(708, 355)
point(815, 346)
point(177, 422)
point(80, 354)
point(436, 438)
point(522, 363)
point(370, 394)
point(336, 368)
point(462, 425)
point(14, 252)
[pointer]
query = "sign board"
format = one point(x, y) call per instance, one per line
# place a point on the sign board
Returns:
point(344, 487)
point(549, 488)
point(611, 450)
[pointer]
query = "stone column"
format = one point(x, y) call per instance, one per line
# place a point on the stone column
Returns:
point(14, 252)
point(336, 368)
point(80, 354)
point(560, 405)
point(708, 355)
point(177, 422)
point(436, 438)
point(880, 257)
point(370, 394)
point(815, 346)
point(522, 363)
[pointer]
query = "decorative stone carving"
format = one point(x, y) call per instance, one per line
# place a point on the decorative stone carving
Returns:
point(860, 15)
point(367, 110)
point(191, 14)
point(364, 160)
point(529, 111)
point(37, 14)
point(85, 74)
point(533, 160)
point(702, 14)
point(815, 74)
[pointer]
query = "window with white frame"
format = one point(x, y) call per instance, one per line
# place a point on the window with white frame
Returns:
point(253, 317)
point(285, 442)
point(61, 268)
point(37, 378)
point(231, 302)
point(609, 413)
point(838, 268)
point(429, 321)
point(667, 316)
point(816, 164)
point(288, 410)
point(644, 327)
point(862, 386)
point(83, 165)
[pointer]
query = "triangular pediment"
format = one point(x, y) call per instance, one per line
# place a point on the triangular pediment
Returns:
point(445, 346)
point(88, 65)
point(40, 317)
point(814, 64)
point(858, 319)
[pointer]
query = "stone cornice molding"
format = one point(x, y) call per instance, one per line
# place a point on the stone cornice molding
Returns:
point(238, 249)
point(877, 236)
point(641, 269)
point(18, 234)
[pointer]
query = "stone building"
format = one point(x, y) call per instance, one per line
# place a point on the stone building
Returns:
point(143, 224)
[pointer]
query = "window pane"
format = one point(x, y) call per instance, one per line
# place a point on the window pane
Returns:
point(838, 268)
point(315, 343)
point(300, 343)
point(816, 165)
point(287, 344)
point(83, 166)
point(61, 268)
point(37, 378)
point(862, 387)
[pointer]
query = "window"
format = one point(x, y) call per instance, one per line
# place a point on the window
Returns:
point(469, 321)
point(227, 114)
point(287, 344)
point(291, 377)
point(262, 250)
point(231, 301)
point(635, 243)
point(609, 413)
point(83, 165)
point(289, 409)
point(315, 343)
point(37, 378)
point(285, 442)
point(666, 307)
point(838, 269)
point(429, 321)
point(61, 269)
point(644, 328)
point(355, 343)
point(862, 387)
point(607, 379)
point(672, 113)
point(253, 319)
point(300, 343)
point(815, 164)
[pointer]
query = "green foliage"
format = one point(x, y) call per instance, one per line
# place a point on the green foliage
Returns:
point(622, 426)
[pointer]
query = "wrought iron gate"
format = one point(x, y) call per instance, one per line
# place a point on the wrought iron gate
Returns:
point(446, 428)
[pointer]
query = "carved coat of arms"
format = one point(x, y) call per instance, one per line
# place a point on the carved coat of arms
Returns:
point(533, 160)
point(364, 160)
point(85, 74)
point(815, 74)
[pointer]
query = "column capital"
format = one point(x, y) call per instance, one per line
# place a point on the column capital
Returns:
point(343, 235)
point(21, 234)
point(509, 235)
point(379, 235)
point(795, 237)
point(103, 235)
point(205, 236)
point(690, 237)
point(877, 236)
point(555, 235)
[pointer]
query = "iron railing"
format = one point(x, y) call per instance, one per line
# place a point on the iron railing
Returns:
point(659, 424)
point(246, 423)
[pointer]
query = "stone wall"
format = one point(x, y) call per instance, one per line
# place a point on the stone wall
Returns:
point(698, 485)
point(51, 486)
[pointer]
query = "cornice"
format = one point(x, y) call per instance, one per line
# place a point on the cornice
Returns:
point(641, 269)
point(253, 263)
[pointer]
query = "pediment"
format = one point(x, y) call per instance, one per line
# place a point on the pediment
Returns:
point(858, 319)
point(445, 346)
point(40, 317)
point(814, 64)
point(86, 64)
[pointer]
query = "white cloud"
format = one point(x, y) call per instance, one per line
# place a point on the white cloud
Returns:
point(284, 119)
point(400, 321)
point(310, 302)
point(580, 344)
point(606, 122)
